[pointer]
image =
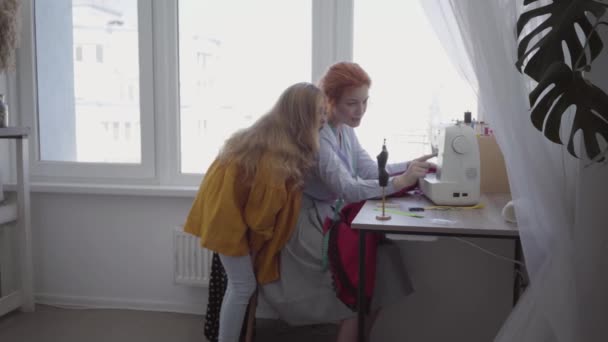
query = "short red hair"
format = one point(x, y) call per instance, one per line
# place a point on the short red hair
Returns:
point(341, 76)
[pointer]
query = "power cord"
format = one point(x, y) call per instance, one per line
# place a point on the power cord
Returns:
point(488, 252)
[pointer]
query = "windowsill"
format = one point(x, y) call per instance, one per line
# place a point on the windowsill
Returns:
point(113, 189)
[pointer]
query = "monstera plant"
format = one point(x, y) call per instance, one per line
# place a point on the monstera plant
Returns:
point(560, 77)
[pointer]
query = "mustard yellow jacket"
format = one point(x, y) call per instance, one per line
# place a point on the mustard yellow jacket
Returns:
point(232, 218)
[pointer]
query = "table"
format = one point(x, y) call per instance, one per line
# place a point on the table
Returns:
point(480, 223)
point(23, 297)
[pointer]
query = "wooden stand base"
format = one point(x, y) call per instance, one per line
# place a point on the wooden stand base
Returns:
point(383, 217)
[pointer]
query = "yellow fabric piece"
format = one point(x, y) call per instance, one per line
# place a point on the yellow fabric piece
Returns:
point(232, 218)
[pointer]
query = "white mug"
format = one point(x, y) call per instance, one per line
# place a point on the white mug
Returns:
point(508, 212)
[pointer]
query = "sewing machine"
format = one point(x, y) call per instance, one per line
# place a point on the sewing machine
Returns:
point(457, 179)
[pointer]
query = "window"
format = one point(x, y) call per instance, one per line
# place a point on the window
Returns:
point(79, 53)
point(127, 130)
point(76, 100)
point(235, 57)
point(99, 53)
point(146, 91)
point(415, 88)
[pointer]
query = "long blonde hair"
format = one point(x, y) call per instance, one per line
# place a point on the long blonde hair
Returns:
point(288, 134)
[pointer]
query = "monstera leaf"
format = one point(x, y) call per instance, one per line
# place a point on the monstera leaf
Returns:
point(545, 62)
point(562, 20)
point(570, 88)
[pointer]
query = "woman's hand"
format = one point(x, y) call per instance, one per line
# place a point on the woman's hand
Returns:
point(426, 157)
point(416, 169)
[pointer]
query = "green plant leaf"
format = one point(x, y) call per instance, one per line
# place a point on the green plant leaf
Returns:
point(570, 89)
point(564, 15)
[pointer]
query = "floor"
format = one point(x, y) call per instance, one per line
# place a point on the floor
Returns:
point(51, 324)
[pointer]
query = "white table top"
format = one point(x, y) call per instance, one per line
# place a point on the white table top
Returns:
point(486, 222)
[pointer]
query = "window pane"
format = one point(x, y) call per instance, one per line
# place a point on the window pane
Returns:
point(88, 68)
point(236, 57)
point(414, 85)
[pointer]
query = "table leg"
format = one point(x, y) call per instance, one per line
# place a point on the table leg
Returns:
point(519, 281)
point(24, 225)
point(361, 305)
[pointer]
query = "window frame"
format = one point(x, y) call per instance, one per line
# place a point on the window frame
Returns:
point(74, 172)
point(332, 27)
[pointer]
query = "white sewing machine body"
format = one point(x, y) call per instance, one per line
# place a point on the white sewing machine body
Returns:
point(457, 179)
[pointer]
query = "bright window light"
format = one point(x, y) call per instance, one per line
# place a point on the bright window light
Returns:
point(415, 87)
point(235, 58)
point(87, 56)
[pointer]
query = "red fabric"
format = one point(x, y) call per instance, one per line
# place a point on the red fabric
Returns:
point(343, 253)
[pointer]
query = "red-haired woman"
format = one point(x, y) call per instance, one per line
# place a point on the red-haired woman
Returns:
point(305, 293)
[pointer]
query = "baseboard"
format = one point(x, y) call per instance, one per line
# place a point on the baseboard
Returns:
point(81, 302)
point(10, 302)
point(78, 302)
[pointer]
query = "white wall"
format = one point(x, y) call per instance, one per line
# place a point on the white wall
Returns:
point(115, 251)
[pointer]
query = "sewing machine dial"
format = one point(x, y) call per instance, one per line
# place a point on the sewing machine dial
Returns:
point(461, 144)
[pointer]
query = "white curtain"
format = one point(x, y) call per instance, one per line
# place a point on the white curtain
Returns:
point(561, 205)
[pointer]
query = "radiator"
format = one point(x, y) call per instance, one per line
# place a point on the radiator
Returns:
point(192, 264)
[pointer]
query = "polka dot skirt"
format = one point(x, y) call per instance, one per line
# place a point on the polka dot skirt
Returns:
point(217, 288)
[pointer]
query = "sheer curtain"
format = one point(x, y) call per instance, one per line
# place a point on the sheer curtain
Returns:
point(560, 204)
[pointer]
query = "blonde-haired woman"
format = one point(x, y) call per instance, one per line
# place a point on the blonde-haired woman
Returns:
point(249, 199)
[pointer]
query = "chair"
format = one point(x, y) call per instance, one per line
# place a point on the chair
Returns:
point(248, 330)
